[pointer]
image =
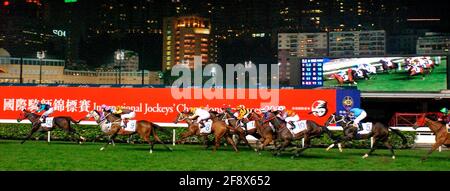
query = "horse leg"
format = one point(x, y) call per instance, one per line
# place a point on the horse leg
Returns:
point(111, 139)
point(33, 130)
point(389, 146)
point(307, 145)
point(147, 139)
point(282, 147)
point(184, 136)
point(433, 148)
point(157, 139)
point(230, 140)
point(372, 149)
point(216, 142)
point(205, 141)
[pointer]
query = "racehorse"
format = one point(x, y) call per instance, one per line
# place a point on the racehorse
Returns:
point(62, 122)
point(218, 128)
point(439, 129)
point(379, 133)
point(144, 128)
point(340, 79)
point(236, 127)
point(312, 130)
point(388, 65)
point(414, 70)
point(263, 130)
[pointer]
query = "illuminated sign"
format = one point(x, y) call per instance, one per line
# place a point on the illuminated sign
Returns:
point(388, 74)
point(201, 31)
point(59, 33)
point(70, 1)
point(312, 72)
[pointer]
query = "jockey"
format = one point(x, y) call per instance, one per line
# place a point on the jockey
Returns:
point(199, 113)
point(48, 110)
point(242, 113)
point(288, 115)
point(344, 75)
point(106, 108)
point(125, 114)
point(445, 118)
point(358, 115)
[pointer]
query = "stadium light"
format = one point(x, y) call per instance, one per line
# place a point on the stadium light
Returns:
point(40, 55)
point(120, 56)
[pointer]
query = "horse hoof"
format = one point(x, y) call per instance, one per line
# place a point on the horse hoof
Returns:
point(256, 150)
point(103, 148)
point(151, 151)
point(365, 156)
point(393, 157)
point(170, 149)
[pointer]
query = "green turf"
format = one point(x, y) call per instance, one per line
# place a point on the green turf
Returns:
point(66, 156)
point(398, 81)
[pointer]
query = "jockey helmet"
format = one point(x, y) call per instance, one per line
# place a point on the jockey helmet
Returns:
point(39, 104)
point(263, 110)
point(104, 106)
point(444, 110)
point(240, 107)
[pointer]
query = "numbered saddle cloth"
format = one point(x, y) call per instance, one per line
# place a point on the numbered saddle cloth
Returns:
point(131, 125)
point(367, 128)
point(48, 122)
point(251, 125)
point(207, 128)
point(299, 127)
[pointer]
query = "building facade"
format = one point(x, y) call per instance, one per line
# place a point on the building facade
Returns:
point(54, 72)
point(298, 45)
point(433, 44)
point(357, 43)
point(184, 38)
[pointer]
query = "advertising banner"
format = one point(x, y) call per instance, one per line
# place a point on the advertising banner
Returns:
point(159, 104)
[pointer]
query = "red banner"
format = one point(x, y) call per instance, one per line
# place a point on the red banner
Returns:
point(153, 104)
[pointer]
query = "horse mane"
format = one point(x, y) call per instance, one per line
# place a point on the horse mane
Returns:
point(98, 113)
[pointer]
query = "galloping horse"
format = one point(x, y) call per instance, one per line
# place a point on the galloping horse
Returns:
point(144, 128)
point(378, 133)
point(236, 128)
point(439, 129)
point(218, 128)
point(62, 122)
point(263, 130)
point(389, 65)
point(351, 74)
point(312, 130)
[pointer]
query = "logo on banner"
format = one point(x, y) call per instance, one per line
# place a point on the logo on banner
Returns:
point(347, 102)
point(319, 108)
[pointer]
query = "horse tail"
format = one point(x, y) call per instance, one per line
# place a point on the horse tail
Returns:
point(396, 131)
point(157, 127)
point(73, 120)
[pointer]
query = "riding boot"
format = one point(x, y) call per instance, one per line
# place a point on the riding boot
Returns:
point(125, 121)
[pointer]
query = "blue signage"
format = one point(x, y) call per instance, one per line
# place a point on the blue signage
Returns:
point(311, 72)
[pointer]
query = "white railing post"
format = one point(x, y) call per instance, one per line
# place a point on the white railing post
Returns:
point(173, 137)
point(48, 136)
point(303, 143)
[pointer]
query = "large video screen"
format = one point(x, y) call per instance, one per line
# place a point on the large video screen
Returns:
point(388, 74)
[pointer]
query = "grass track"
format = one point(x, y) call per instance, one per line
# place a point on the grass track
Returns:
point(67, 156)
